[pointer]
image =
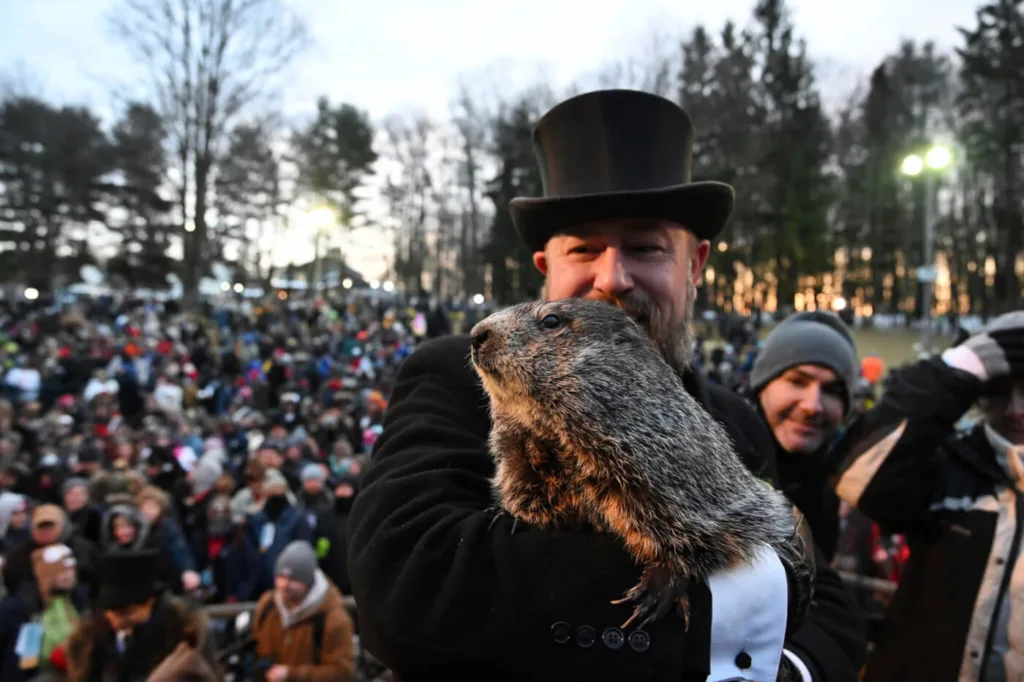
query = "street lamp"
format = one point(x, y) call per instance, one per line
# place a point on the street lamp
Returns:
point(935, 160)
point(322, 218)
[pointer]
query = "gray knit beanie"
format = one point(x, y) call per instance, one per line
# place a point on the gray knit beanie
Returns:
point(297, 561)
point(1013, 320)
point(205, 474)
point(816, 338)
point(1006, 321)
point(72, 483)
point(312, 471)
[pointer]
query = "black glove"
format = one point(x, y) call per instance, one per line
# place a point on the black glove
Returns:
point(1000, 351)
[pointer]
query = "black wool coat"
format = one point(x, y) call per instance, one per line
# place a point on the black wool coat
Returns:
point(445, 595)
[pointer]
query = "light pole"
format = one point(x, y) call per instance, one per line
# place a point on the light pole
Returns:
point(322, 218)
point(935, 160)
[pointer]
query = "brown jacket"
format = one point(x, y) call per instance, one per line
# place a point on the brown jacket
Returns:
point(293, 646)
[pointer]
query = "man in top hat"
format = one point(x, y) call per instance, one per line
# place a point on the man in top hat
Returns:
point(448, 592)
point(135, 624)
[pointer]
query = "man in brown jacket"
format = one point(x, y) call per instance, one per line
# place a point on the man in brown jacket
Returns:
point(303, 632)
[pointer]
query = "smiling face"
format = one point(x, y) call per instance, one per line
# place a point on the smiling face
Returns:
point(650, 268)
point(1004, 410)
point(803, 407)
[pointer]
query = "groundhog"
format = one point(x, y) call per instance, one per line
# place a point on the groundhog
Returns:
point(591, 428)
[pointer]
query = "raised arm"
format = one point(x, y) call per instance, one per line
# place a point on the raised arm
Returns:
point(890, 468)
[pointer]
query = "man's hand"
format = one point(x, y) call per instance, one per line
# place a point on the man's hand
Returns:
point(999, 352)
point(277, 673)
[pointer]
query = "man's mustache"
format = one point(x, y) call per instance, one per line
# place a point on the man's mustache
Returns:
point(640, 309)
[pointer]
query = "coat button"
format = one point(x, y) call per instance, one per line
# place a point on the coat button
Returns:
point(585, 636)
point(613, 638)
point(639, 641)
point(561, 632)
point(743, 660)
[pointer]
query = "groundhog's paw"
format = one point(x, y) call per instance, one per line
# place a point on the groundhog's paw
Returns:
point(658, 592)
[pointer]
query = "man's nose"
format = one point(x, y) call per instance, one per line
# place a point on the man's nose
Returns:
point(611, 276)
point(810, 400)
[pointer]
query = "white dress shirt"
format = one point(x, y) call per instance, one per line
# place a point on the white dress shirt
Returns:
point(749, 609)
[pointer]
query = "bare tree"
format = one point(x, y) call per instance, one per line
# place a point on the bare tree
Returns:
point(210, 62)
point(473, 125)
point(409, 194)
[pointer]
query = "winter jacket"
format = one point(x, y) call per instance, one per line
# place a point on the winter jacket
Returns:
point(953, 496)
point(288, 638)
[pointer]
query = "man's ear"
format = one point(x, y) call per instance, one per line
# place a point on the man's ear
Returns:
point(540, 261)
point(700, 258)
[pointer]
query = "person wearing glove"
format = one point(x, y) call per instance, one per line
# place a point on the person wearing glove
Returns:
point(959, 498)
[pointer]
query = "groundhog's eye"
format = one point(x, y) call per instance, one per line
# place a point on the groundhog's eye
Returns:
point(551, 322)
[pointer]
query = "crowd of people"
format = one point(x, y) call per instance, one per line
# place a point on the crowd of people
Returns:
point(291, 454)
point(154, 460)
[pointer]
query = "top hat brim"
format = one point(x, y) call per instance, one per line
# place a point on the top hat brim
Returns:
point(116, 597)
point(702, 208)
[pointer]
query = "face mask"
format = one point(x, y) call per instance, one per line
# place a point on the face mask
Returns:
point(275, 504)
point(219, 527)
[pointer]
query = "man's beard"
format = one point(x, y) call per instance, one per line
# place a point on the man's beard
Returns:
point(675, 342)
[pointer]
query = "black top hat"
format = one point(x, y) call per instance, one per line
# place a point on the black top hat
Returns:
point(128, 577)
point(618, 154)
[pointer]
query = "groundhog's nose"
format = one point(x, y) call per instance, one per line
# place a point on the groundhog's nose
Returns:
point(478, 336)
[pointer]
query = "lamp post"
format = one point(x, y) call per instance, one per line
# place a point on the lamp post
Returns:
point(321, 218)
point(935, 160)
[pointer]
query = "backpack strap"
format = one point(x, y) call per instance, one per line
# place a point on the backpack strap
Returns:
point(261, 615)
point(319, 623)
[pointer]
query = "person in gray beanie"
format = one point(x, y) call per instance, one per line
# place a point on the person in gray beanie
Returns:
point(815, 338)
point(204, 475)
point(301, 626)
point(86, 518)
point(956, 493)
point(802, 382)
point(315, 497)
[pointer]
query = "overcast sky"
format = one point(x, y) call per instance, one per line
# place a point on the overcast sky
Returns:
point(390, 55)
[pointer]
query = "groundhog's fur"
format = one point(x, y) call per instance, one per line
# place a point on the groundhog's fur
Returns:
point(592, 428)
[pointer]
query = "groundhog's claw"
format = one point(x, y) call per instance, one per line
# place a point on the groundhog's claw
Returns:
point(657, 593)
point(498, 513)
